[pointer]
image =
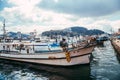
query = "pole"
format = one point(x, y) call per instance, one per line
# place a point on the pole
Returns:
point(4, 31)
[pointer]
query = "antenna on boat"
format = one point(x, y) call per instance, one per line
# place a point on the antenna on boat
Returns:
point(4, 31)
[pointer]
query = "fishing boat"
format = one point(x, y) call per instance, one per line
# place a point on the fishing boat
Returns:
point(26, 52)
point(101, 39)
point(77, 56)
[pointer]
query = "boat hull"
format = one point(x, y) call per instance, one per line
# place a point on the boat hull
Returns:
point(57, 62)
point(79, 56)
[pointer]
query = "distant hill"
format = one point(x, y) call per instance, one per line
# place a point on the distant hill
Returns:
point(73, 31)
point(14, 35)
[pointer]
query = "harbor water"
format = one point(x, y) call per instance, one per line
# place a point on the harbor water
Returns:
point(103, 66)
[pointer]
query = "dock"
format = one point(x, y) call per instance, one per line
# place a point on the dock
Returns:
point(116, 45)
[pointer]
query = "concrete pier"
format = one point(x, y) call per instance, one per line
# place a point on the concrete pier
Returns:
point(116, 45)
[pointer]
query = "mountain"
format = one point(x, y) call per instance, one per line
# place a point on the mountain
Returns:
point(15, 35)
point(79, 29)
point(73, 31)
point(95, 32)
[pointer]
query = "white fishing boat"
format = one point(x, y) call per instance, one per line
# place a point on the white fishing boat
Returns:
point(73, 57)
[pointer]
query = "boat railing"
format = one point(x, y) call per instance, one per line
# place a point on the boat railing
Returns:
point(32, 48)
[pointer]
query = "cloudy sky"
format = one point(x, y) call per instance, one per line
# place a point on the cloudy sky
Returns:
point(42, 15)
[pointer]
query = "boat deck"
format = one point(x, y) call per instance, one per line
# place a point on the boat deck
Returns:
point(73, 53)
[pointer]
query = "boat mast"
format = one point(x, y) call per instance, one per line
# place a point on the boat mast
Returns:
point(4, 31)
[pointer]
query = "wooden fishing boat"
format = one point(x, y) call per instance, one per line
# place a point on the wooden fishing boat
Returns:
point(72, 57)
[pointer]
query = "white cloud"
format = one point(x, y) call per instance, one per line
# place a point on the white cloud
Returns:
point(25, 2)
point(25, 16)
point(105, 25)
point(116, 25)
point(42, 20)
point(83, 8)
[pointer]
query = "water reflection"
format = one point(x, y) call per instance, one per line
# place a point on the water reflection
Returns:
point(14, 71)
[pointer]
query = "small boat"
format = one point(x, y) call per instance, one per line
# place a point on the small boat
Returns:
point(100, 41)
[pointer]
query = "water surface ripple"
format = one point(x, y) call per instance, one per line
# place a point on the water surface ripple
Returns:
point(105, 65)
